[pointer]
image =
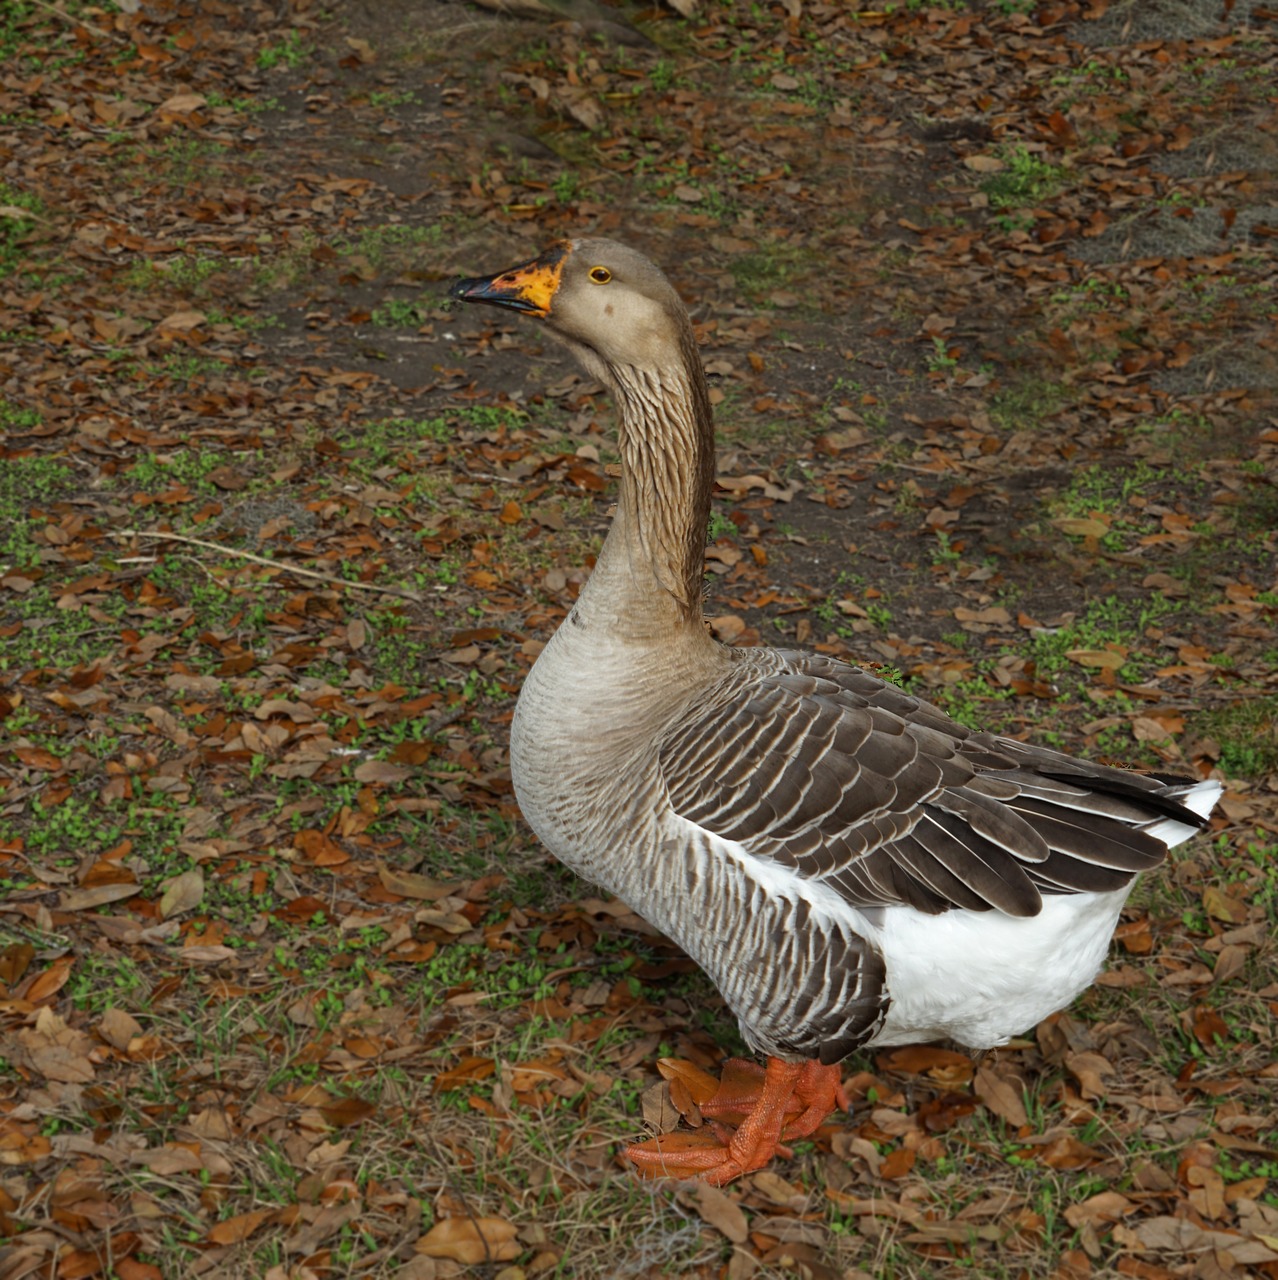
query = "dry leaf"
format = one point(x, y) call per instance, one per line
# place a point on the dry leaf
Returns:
point(1109, 659)
point(182, 893)
point(1004, 1096)
point(471, 1240)
point(1220, 906)
point(721, 1212)
point(1090, 1070)
point(118, 1028)
point(701, 1085)
point(98, 896)
point(1082, 526)
point(659, 1112)
point(238, 1229)
point(408, 884)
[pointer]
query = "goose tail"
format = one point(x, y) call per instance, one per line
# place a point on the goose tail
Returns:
point(1199, 798)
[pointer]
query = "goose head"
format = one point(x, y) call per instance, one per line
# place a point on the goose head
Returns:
point(608, 303)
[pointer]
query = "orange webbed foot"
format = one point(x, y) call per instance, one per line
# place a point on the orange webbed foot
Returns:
point(787, 1100)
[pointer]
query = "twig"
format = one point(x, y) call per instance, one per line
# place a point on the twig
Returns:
point(270, 564)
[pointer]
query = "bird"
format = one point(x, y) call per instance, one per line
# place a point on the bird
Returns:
point(850, 866)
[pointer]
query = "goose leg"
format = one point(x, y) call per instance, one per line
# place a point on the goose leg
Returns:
point(818, 1092)
point(788, 1100)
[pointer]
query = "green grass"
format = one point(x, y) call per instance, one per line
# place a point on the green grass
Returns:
point(291, 52)
point(1026, 179)
point(1026, 403)
point(780, 266)
point(1247, 732)
point(23, 212)
point(400, 313)
point(156, 472)
point(26, 483)
point(186, 275)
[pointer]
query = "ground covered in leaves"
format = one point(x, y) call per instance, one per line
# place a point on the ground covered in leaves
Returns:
point(988, 297)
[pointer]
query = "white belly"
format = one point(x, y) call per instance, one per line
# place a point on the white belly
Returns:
point(981, 977)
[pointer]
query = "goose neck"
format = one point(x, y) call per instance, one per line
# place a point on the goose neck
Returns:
point(648, 577)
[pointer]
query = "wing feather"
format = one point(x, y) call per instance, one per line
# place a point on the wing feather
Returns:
point(827, 770)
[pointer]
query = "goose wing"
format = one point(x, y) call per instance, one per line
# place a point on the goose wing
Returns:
point(833, 773)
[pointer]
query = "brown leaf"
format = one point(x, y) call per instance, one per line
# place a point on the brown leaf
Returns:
point(467, 1071)
point(408, 884)
point(320, 849)
point(183, 103)
point(118, 1028)
point(382, 771)
point(1003, 1095)
point(994, 614)
point(1147, 729)
point(15, 960)
point(1231, 962)
point(183, 321)
point(1068, 1153)
point(701, 1085)
point(659, 1112)
point(1082, 526)
point(1220, 906)
point(238, 1229)
point(471, 1240)
point(182, 893)
point(1110, 659)
point(347, 1111)
point(50, 982)
point(920, 1059)
point(1105, 1207)
point(228, 479)
point(721, 1212)
point(727, 627)
point(462, 657)
point(1210, 1029)
point(99, 896)
point(1090, 1070)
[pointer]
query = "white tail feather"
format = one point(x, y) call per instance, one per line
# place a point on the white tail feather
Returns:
point(1201, 797)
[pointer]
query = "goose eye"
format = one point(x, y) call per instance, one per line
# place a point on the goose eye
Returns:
point(600, 275)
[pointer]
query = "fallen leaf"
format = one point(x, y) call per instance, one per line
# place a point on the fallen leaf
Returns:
point(467, 1071)
point(471, 1240)
point(182, 893)
point(118, 1028)
point(701, 1085)
point(1090, 1070)
point(1110, 659)
point(659, 1111)
point(238, 1229)
point(1003, 1095)
point(721, 1212)
point(1082, 526)
point(409, 884)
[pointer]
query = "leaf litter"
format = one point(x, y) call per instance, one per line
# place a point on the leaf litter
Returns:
point(986, 297)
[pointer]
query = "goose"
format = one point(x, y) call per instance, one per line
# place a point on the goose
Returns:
point(850, 866)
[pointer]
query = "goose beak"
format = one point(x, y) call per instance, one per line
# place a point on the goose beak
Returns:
point(529, 287)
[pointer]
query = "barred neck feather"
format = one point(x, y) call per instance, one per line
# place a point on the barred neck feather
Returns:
point(648, 579)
